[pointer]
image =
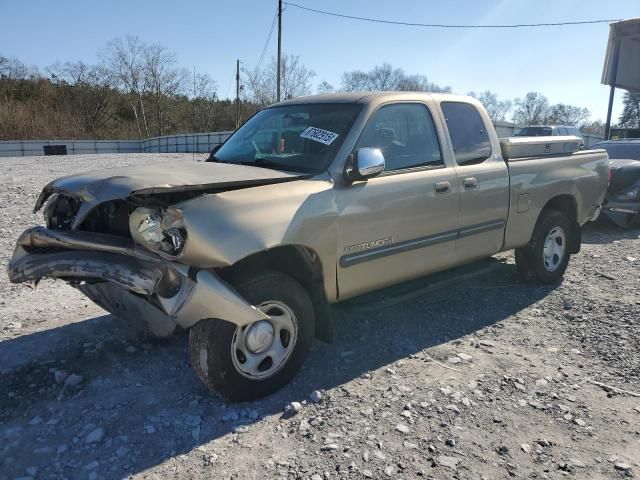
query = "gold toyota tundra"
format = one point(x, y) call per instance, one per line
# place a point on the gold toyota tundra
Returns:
point(312, 201)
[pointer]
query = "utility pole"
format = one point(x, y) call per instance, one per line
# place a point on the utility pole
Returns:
point(614, 79)
point(194, 129)
point(237, 94)
point(279, 47)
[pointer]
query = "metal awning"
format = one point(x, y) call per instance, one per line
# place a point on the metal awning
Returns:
point(622, 61)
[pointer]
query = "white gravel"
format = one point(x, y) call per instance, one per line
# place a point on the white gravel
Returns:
point(517, 403)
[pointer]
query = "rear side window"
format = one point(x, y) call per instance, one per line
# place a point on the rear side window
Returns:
point(406, 134)
point(468, 134)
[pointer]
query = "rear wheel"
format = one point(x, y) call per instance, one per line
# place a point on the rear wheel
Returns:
point(249, 362)
point(546, 256)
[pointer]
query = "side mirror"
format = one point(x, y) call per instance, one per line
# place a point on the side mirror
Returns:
point(364, 163)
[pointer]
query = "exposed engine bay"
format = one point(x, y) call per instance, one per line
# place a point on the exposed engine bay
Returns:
point(118, 238)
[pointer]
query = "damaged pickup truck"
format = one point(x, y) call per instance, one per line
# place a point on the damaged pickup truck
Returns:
point(312, 201)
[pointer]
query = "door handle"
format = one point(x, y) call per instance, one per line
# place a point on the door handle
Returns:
point(443, 187)
point(469, 183)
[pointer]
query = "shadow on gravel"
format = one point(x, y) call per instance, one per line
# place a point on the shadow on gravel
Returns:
point(139, 403)
point(605, 231)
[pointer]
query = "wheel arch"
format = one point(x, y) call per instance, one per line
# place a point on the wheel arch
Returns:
point(299, 262)
point(567, 204)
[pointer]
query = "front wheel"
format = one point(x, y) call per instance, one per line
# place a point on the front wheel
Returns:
point(249, 362)
point(546, 256)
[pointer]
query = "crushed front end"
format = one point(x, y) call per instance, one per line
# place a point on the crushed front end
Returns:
point(126, 258)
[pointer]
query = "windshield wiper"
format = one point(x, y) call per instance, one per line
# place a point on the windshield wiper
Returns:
point(265, 162)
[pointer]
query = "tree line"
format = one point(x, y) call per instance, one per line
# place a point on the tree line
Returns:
point(138, 90)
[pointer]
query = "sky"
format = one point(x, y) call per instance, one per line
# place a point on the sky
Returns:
point(563, 63)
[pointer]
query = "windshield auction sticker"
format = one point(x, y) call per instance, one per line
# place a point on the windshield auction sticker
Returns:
point(319, 135)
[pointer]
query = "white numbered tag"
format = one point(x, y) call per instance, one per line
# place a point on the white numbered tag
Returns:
point(319, 135)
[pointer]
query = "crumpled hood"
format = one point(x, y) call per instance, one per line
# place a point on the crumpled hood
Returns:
point(94, 188)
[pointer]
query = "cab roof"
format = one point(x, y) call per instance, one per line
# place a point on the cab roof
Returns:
point(367, 97)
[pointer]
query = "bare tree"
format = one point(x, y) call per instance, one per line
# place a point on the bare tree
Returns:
point(355, 81)
point(295, 80)
point(162, 79)
point(86, 90)
point(205, 103)
point(562, 114)
point(296, 77)
point(15, 77)
point(385, 77)
point(533, 109)
point(630, 116)
point(497, 109)
point(125, 59)
point(419, 83)
point(380, 78)
point(325, 87)
point(14, 69)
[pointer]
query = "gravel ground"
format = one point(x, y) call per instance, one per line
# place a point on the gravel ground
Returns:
point(486, 378)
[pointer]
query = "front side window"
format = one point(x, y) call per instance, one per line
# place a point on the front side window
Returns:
point(468, 134)
point(302, 138)
point(406, 134)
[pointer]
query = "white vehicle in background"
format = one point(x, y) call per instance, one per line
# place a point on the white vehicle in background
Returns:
point(550, 131)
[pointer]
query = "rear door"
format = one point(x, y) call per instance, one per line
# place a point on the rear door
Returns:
point(483, 181)
point(402, 223)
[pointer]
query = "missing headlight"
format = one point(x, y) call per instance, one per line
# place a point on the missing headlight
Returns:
point(158, 229)
point(60, 212)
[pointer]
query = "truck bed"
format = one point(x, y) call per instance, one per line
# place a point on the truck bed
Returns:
point(534, 179)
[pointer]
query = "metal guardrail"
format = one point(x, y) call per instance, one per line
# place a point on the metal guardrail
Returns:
point(185, 143)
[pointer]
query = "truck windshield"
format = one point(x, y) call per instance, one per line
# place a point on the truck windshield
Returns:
point(302, 138)
point(535, 132)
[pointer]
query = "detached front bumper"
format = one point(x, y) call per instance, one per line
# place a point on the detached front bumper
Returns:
point(128, 281)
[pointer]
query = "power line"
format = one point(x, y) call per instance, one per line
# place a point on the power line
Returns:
point(266, 44)
point(441, 25)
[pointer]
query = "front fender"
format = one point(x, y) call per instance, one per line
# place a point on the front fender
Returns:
point(227, 227)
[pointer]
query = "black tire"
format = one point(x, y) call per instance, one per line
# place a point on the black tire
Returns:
point(210, 341)
point(530, 260)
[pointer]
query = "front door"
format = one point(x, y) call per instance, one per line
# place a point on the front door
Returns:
point(403, 223)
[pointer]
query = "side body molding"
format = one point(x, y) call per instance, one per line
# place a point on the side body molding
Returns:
point(363, 256)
